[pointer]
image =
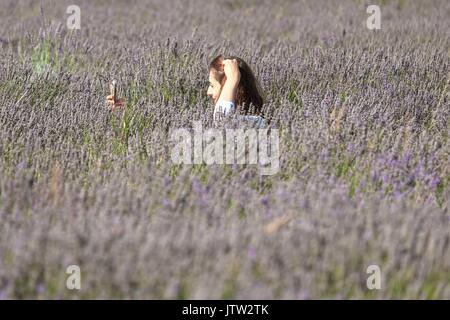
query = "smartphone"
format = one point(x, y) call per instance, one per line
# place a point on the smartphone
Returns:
point(113, 90)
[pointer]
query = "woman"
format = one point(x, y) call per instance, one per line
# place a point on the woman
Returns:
point(232, 88)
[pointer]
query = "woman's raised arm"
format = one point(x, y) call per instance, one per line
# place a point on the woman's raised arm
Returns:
point(232, 77)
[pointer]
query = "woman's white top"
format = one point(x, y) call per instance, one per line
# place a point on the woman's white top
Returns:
point(227, 108)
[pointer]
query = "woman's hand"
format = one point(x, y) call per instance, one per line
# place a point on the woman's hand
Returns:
point(114, 104)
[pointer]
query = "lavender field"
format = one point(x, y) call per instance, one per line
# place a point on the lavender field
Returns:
point(363, 119)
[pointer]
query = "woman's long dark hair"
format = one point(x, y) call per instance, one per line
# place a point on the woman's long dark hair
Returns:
point(248, 95)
